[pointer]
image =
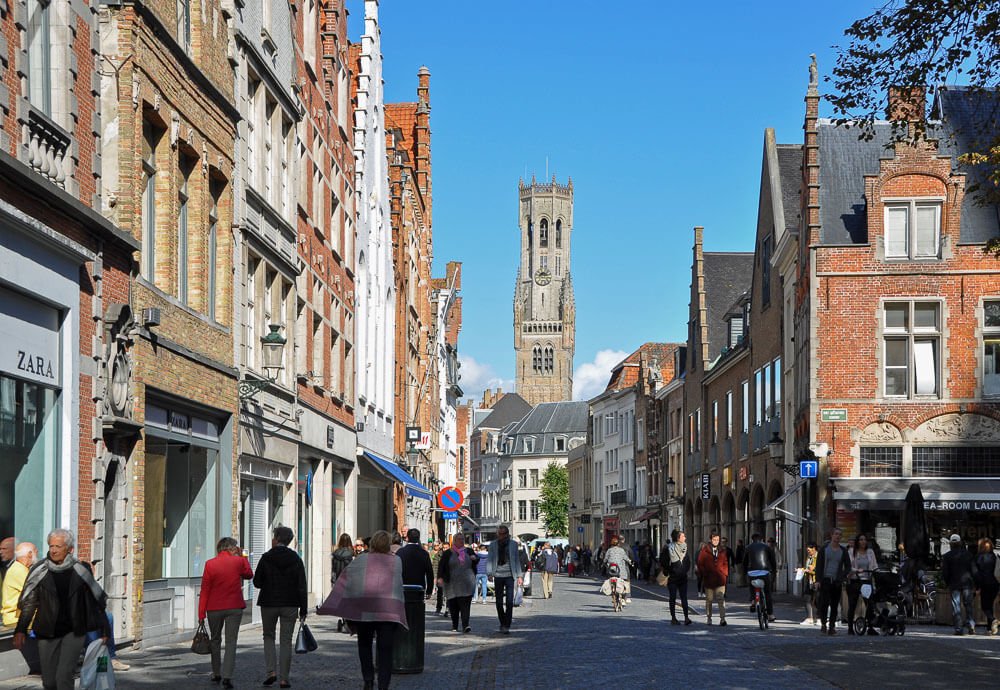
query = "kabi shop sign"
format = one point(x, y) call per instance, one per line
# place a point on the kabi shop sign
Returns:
point(962, 505)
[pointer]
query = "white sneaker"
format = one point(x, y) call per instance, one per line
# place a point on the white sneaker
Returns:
point(808, 621)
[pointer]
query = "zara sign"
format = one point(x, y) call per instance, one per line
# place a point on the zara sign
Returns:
point(30, 346)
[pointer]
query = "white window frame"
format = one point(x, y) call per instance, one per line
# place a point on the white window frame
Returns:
point(915, 339)
point(909, 208)
point(991, 335)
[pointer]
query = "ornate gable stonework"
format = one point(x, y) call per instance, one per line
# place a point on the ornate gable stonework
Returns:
point(881, 433)
point(958, 429)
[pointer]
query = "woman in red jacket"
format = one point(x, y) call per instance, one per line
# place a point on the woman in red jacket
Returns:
point(222, 599)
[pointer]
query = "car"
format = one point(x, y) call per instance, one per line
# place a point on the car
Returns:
point(525, 563)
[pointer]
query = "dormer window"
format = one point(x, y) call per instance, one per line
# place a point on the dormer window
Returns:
point(913, 229)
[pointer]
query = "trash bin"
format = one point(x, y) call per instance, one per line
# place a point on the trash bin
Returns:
point(408, 652)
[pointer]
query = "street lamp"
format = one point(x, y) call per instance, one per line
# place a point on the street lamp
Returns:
point(776, 449)
point(272, 348)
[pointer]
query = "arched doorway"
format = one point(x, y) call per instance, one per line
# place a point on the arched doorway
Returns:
point(756, 522)
point(688, 517)
point(743, 516)
point(713, 521)
point(695, 536)
point(729, 519)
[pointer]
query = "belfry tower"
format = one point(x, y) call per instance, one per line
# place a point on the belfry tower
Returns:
point(544, 309)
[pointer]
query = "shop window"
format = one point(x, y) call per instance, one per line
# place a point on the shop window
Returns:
point(29, 446)
point(912, 342)
point(879, 461)
point(991, 349)
point(180, 511)
point(912, 230)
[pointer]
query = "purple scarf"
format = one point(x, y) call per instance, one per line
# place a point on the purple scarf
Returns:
point(369, 589)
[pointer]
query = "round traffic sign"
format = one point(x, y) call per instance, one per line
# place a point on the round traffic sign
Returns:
point(450, 498)
point(464, 512)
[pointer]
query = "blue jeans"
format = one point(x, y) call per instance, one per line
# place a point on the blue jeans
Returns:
point(482, 586)
point(958, 598)
point(503, 590)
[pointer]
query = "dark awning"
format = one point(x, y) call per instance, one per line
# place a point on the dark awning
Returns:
point(397, 473)
point(940, 493)
point(648, 515)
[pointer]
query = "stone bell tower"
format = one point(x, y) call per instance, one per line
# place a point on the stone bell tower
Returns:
point(544, 309)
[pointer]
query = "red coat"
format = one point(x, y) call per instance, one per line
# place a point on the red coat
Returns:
point(222, 583)
point(714, 570)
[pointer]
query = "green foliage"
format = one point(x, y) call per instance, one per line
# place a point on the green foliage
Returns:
point(554, 505)
point(917, 43)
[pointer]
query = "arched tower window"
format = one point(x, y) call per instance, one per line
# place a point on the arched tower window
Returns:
point(543, 233)
point(536, 359)
point(558, 234)
point(549, 360)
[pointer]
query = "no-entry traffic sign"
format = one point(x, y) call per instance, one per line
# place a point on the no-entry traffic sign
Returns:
point(450, 498)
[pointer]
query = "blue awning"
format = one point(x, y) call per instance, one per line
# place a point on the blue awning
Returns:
point(412, 486)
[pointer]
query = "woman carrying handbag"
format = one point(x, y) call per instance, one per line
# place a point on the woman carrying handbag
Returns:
point(222, 602)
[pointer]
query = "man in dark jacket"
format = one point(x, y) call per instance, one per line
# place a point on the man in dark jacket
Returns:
point(759, 556)
point(956, 570)
point(833, 563)
point(61, 602)
point(417, 566)
point(281, 579)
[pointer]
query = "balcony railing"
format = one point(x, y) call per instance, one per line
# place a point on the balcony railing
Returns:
point(623, 497)
point(48, 146)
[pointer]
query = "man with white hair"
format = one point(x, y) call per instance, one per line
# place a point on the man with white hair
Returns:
point(24, 557)
point(61, 601)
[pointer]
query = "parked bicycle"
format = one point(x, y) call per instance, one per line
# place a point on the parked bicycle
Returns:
point(757, 578)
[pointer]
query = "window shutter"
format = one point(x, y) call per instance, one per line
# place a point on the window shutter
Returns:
point(927, 231)
point(895, 231)
point(926, 369)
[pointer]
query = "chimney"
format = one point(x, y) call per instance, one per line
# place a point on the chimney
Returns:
point(423, 136)
point(906, 104)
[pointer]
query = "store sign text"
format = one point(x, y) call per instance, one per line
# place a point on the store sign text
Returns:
point(34, 364)
point(961, 505)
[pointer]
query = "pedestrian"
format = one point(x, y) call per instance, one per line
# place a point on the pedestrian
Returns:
point(457, 573)
point(60, 602)
point(598, 562)
point(482, 579)
point(571, 557)
point(417, 567)
point(760, 556)
point(956, 570)
point(281, 579)
point(369, 596)
point(360, 546)
point(863, 565)
point(560, 553)
point(645, 560)
point(676, 563)
point(713, 564)
point(740, 552)
point(25, 555)
point(222, 601)
point(549, 560)
point(342, 557)
point(616, 554)
point(435, 555)
point(809, 584)
point(586, 557)
point(504, 565)
point(697, 573)
point(833, 563)
point(7, 556)
point(987, 567)
point(397, 543)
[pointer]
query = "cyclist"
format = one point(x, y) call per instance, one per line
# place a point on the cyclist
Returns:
point(617, 554)
point(760, 556)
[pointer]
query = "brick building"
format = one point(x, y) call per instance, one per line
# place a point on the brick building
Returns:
point(67, 422)
point(326, 475)
point(168, 119)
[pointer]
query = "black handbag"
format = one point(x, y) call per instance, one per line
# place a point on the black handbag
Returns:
point(201, 644)
point(304, 641)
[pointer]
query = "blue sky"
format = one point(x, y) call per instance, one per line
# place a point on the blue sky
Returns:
point(657, 110)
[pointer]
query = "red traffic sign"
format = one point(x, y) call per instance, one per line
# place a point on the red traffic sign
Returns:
point(450, 498)
point(464, 512)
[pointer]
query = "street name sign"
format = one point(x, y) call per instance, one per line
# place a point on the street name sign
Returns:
point(833, 414)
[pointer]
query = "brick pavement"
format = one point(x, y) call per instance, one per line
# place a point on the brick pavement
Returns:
point(574, 640)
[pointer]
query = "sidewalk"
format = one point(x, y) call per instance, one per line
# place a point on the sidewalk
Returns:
point(334, 664)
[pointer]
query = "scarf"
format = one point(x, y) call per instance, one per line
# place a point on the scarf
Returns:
point(462, 556)
point(44, 567)
point(678, 551)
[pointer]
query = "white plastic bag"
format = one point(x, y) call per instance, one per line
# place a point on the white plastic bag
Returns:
point(96, 673)
point(518, 596)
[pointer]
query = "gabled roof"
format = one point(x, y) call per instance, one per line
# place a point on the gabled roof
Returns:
point(844, 160)
point(556, 417)
point(402, 116)
point(790, 174)
point(507, 410)
point(727, 276)
point(626, 372)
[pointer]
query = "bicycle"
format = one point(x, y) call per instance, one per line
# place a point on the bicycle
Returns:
point(759, 596)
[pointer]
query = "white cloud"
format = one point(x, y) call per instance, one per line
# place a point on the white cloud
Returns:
point(477, 377)
point(592, 377)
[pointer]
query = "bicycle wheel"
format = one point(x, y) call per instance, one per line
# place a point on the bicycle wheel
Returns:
point(860, 626)
point(761, 614)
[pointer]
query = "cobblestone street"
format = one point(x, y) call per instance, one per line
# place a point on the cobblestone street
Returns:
point(575, 639)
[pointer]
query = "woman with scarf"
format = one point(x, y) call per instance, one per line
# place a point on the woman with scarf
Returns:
point(676, 563)
point(61, 602)
point(369, 596)
point(457, 574)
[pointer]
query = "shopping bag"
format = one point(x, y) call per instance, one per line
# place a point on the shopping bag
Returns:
point(96, 673)
point(800, 573)
point(662, 579)
point(304, 641)
point(201, 644)
point(518, 596)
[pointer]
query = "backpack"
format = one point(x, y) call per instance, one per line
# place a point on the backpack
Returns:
point(539, 563)
point(340, 562)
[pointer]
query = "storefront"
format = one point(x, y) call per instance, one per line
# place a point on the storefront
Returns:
point(264, 486)
point(186, 490)
point(966, 506)
point(378, 479)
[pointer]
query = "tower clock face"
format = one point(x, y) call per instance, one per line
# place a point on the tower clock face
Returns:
point(543, 277)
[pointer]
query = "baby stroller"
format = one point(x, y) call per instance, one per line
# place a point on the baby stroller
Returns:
point(616, 587)
point(885, 604)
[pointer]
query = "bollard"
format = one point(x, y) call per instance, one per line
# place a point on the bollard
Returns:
point(408, 651)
